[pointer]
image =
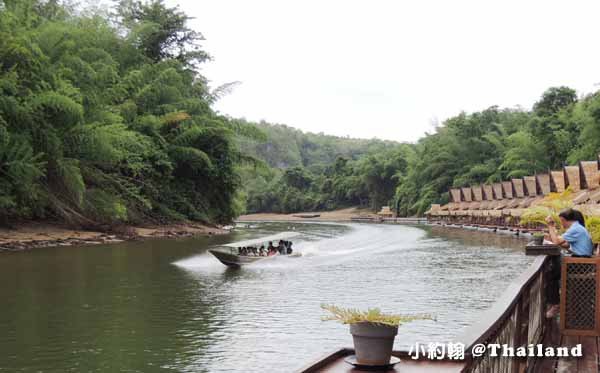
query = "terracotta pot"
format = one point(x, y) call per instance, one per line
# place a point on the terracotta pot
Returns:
point(373, 343)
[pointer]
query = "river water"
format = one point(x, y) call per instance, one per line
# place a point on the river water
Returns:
point(168, 306)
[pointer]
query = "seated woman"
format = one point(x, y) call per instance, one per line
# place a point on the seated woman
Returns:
point(576, 240)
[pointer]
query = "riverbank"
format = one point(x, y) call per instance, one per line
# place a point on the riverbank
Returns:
point(37, 235)
point(336, 215)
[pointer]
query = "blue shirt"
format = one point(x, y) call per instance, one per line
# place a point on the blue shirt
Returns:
point(579, 239)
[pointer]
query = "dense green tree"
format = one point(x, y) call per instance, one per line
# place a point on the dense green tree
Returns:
point(100, 125)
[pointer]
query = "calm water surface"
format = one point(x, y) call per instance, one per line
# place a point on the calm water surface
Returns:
point(168, 306)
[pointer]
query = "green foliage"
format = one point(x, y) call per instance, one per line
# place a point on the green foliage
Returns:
point(161, 32)
point(468, 149)
point(306, 171)
point(104, 124)
point(111, 121)
point(551, 205)
point(592, 224)
point(523, 156)
point(372, 315)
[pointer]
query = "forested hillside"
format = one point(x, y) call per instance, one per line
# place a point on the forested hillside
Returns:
point(289, 147)
point(491, 145)
point(105, 118)
point(306, 171)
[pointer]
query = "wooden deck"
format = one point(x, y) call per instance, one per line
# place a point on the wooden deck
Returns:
point(334, 363)
point(588, 363)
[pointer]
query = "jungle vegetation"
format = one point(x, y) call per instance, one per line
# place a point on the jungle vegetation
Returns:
point(471, 148)
point(105, 118)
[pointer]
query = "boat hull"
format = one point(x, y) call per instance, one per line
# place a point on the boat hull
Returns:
point(236, 261)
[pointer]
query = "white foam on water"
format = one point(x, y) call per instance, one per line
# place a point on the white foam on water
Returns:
point(204, 260)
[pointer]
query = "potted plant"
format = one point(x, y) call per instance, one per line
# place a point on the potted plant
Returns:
point(538, 238)
point(373, 332)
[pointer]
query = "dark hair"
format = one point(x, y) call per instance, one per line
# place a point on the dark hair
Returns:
point(572, 215)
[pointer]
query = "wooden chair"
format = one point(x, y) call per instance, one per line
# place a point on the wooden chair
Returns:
point(580, 296)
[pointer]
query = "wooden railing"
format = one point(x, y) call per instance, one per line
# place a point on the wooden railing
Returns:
point(516, 319)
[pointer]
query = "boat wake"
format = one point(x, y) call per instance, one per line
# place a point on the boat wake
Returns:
point(204, 260)
point(314, 249)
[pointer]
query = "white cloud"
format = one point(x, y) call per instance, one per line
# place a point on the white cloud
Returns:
point(386, 68)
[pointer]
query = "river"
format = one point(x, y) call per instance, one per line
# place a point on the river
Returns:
point(168, 306)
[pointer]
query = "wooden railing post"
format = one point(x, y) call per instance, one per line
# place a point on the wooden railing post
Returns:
point(516, 319)
point(522, 328)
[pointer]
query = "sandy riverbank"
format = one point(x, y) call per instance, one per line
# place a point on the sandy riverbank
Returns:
point(36, 235)
point(337, 215)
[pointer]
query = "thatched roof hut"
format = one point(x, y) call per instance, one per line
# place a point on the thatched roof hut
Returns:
point(572, 178)
point(595, 197)
point(497, 188)
point(516, 212)
point(477, 193)
point(475, 205)
point(467, 194)
point(557, 181)
point(495, 213)
point(502, 204)
point(514, 203)
point(488, 193)
point(583, 196)
point(507, 189)
point(433, 209)
point(526, 202)
point(543, 184)
point(455, 195)
point(590, 178)
point(518, 188)
point(530, 186)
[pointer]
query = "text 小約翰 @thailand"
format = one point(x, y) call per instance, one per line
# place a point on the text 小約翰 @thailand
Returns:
point(456, 351)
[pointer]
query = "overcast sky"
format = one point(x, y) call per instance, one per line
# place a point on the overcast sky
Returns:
point(389, 69)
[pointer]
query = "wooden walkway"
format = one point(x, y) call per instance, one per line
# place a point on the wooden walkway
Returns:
point(334, 363)
point(588, 363)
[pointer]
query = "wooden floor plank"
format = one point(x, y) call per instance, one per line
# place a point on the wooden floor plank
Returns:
point(551, 339)
point(589, 361)
point(334, 363)
point(567, 364)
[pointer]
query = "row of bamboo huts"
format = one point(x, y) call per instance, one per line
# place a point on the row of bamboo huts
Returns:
point(502, 203)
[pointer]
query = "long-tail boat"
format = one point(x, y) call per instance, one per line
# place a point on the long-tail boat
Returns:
point(228, 253)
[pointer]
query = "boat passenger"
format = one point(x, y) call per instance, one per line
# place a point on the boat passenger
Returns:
point(239, 251)
point(289, 248)
point(261, 251)
point(271, 247)
point(576, 240)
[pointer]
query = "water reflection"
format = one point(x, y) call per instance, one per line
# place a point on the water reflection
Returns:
point(166, 305)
